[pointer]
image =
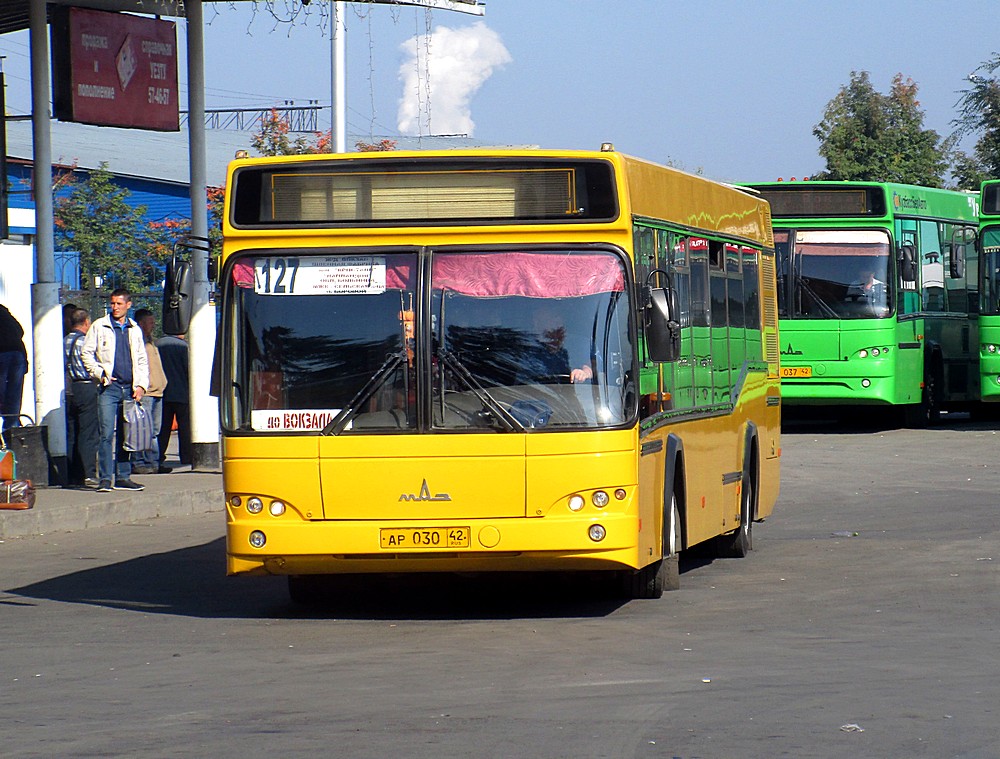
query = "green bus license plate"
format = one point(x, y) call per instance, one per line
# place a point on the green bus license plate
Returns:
point(796, 371)
point(424, 537)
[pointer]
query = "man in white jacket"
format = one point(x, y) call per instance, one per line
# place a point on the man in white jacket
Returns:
point(114, 354)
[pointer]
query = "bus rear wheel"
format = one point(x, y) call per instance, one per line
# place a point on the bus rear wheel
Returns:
point(736, 545)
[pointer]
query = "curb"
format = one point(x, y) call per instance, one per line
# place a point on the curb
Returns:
point(64, 510)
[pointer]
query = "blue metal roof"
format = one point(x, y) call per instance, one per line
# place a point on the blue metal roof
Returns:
point(163, 156)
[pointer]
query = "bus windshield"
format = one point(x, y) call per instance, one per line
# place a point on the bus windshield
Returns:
point(470, 341)
point(834, 274)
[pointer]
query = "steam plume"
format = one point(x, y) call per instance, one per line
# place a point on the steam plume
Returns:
point(440, 76)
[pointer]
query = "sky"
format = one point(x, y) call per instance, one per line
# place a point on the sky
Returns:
point(728, 88)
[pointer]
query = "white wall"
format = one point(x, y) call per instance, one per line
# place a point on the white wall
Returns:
point(17, 273)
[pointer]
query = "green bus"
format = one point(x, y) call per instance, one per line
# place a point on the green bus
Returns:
point(877, 296)
point(989, 301)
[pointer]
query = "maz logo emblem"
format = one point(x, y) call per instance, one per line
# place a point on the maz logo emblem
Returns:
point(791, 351)
point(424, 495)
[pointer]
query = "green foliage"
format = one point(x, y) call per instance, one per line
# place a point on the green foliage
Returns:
point(979, 113)
point(865, 135)
point(113, 238)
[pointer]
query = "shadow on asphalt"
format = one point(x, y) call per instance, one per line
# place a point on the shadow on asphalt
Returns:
point(191, 582)
point(861, 420)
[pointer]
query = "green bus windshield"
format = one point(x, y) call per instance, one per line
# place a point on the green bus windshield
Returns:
point(833, 274)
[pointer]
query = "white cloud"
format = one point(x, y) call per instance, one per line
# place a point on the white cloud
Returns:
point(441, 74)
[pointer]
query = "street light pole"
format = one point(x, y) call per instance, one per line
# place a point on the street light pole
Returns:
point(338, 56)
point(339, 77)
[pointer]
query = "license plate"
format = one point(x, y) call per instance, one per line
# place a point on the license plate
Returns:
point(423, 538)
point(796, 371)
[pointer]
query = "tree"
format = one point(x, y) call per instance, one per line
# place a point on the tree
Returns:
point(113, 238)
point(375, 147)
point(979, 112)
point(866, 135)
point(274, 138)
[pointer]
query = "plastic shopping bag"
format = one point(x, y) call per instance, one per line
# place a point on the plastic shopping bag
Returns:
point(138, 427)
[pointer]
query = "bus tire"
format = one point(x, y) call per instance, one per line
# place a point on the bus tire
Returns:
point(661, 575)
point(736, 545)
point(918, 416)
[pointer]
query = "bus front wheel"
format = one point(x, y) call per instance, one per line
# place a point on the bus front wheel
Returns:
point(661, 575)
point(917, 416)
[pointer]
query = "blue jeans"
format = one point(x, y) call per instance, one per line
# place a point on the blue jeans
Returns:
point(109, 418)
point(150, 458)
point(13, 367)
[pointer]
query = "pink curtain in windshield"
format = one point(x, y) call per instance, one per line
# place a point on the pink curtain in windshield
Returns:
point(534, 275)
point(484, 275)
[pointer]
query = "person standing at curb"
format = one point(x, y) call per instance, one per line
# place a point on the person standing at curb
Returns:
point(13, 367)
point(176, 403)
point(115, 356)
point(148, 461)
point(82, 433)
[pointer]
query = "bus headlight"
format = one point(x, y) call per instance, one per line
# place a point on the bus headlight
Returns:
point(257, 539)
point(600, 499)
point(576, 503)
point(990, 348)
point(874, 351)
point(277, 508)
point(597, 532)
point(255, 505)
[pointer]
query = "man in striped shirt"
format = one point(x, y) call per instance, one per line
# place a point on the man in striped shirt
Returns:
point(82, 434)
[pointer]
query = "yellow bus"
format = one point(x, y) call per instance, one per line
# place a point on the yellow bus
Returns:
point(501, 360)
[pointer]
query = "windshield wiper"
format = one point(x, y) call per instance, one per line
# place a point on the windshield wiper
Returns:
point(339, 422)
point(491, 404)
point(824, 306)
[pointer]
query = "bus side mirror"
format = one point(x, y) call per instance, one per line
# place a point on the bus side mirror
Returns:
point(178, 291)
point(908, 263)
point(663, 331)
point(956, 262)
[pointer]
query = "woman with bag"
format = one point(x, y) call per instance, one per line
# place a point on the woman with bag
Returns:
point(146, 460)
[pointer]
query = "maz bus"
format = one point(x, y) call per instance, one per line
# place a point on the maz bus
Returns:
point(487, 361)
point(989, 300)
point(877, 296)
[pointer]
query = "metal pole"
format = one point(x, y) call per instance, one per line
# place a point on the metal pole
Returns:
point(47, 324)
point(339, 79)
point(204, 408)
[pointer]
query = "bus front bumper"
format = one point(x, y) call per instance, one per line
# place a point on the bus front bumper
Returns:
point(829, 385)
point(490, 545)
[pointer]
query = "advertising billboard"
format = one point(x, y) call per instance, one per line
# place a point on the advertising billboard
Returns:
point(114, 69)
